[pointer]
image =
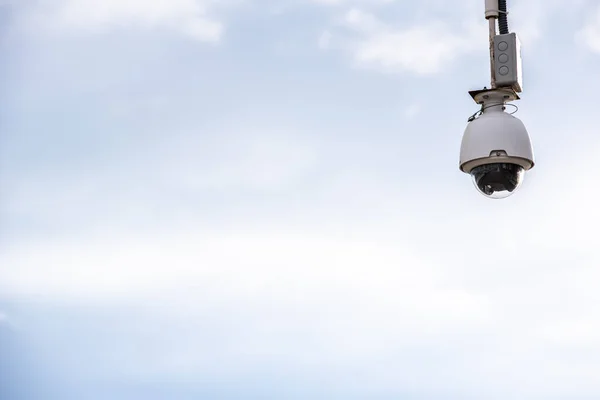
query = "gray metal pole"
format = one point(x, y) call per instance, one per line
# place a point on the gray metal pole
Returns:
point(492, 23)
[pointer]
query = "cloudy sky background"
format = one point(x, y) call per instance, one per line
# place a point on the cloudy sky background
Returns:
point(255, 199)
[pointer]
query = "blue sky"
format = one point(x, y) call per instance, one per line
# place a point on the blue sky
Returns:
point(252, 199)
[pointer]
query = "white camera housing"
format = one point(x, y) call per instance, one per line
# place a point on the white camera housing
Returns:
point(496, 138)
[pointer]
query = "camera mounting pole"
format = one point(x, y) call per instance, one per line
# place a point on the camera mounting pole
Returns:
point(505, 58)
point(492, 12)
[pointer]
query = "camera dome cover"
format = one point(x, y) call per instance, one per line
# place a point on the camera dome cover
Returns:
point(498, 180)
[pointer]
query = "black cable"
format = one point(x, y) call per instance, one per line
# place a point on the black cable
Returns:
point(483, 108)
point(503, 17)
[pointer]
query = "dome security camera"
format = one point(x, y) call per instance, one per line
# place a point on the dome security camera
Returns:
point(496, 149)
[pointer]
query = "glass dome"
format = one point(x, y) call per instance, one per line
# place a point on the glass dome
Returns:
point(498, 180)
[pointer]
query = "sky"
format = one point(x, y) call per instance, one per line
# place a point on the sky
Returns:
point(260, 199)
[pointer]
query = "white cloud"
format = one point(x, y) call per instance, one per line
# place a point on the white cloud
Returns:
point(421, 49)
point(336, 278)
point(331, 301)
point(351, 298)
point(589, 35)
point(428, 46)
point(187, 17)
point(531, 19)
point(362, 21)
point(235, 264)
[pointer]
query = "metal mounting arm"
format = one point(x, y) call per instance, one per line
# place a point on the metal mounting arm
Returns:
point(492, 13)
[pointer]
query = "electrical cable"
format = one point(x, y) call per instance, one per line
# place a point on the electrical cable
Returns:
point(483, 108)
point(503, 17)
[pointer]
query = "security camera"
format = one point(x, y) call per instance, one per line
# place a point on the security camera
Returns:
point(496, 149)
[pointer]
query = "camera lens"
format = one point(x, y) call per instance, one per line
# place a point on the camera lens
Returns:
point(498, 180)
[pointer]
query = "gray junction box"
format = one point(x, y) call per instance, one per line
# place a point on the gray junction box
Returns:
point(507, 62)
